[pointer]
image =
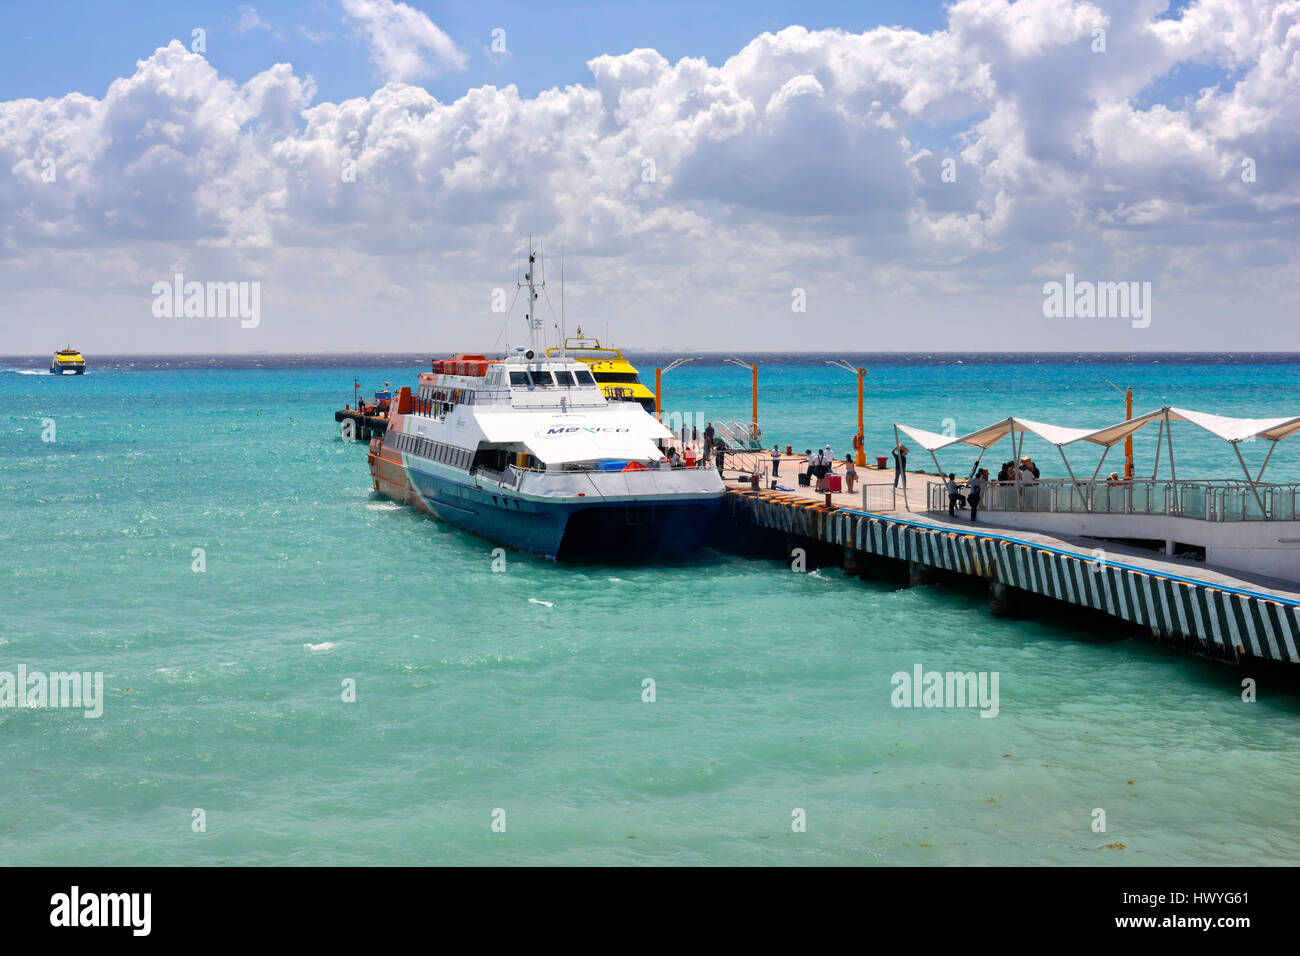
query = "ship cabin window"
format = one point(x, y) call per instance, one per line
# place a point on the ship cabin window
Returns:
point(584, 377)
point(619, 378)
point(519, 378)
point(542, 378)
point(564, 378)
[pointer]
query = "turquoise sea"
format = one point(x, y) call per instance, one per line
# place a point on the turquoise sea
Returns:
point(521, 691)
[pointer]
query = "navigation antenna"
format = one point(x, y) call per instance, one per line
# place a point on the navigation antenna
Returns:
point(534, 323)
point(564, 342)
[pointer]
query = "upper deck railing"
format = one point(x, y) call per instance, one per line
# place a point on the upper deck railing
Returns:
point(1206, 500)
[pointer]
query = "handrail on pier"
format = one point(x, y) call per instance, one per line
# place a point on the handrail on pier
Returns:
point(1214, 499)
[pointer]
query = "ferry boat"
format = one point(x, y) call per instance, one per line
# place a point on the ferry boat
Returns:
point(67, 360)
point(616, 376)
point(528, 451)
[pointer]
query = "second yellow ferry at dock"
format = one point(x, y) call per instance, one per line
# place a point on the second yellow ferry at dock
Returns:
point(616, 376)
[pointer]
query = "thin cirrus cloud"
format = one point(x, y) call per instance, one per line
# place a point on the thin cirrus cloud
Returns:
point(693, 197)
point(405, 45)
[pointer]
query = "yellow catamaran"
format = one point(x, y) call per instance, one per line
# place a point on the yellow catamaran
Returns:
point(67, 360)
point(616, 376)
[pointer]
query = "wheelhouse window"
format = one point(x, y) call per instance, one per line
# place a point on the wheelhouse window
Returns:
point(519, 378)
point(563, 378)
point(542, 379)
point(584, 377)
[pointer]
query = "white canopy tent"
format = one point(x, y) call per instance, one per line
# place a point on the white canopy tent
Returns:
point(1232, 430)
point(930, 441)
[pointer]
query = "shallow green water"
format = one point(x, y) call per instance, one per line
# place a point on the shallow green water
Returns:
point(224, 688)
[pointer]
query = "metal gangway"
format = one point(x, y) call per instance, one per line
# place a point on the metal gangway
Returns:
point(740, 436)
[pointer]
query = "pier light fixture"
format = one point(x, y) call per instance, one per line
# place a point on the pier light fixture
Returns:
point(860, 441)
point(1128, 416)
point(659, 375)
point(753, 369)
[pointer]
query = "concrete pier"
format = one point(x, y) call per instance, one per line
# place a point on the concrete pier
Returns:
point(1223, 613)
point(363, 425)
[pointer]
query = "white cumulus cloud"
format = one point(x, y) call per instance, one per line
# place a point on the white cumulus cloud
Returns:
point(404, 43)
point(900, 177)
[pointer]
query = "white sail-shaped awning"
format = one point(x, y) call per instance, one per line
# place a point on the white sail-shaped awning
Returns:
point(1232, 430)
point(1238, 429)
point(1114, 434)
point(1053, 434)
point(930, 441)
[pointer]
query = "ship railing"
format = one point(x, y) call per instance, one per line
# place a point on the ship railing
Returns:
point(1213, 499)
point(506, 479)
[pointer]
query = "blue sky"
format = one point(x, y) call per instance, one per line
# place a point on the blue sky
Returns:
point(60, 45)
point(917, 173)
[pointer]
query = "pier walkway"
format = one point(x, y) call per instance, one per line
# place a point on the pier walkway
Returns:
point(1231, 614)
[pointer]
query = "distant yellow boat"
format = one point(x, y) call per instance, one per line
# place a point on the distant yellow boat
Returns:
point(616, 376)
point(67, 360)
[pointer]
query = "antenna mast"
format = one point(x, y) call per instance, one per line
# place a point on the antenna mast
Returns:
point(534, 323)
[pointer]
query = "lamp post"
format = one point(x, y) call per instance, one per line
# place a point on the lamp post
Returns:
point(753, 427)
point(860, 442)
point(659, 375)
point(1128, 416)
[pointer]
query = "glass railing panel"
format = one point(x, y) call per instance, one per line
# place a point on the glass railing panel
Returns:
point(1192, 501)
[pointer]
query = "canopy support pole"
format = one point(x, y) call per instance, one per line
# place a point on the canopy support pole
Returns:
point(1159, 438)
point(1169, 440)
point(1100, 463)
point(897, 441)
point(1077, 486)
point(1266, 458)
point(1260, 501)
point(937, 466)
point(1067, 464)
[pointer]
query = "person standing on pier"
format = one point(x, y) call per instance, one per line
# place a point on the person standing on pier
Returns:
point(954, 496)
point(776, 461)
point(900, 465)
point(708, 442)
point(976, 491)
point(850, 472)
